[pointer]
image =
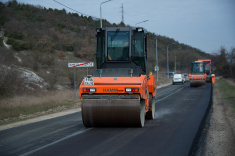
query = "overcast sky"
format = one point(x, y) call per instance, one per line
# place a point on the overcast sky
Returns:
point(203, 24)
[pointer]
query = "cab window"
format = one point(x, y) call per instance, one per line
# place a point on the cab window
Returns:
point(118, 46)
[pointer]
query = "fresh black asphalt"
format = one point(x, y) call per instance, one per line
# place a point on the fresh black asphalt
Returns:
point(180, 110)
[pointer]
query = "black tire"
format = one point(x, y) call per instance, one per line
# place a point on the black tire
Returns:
point(142, 113)
point(151, 113)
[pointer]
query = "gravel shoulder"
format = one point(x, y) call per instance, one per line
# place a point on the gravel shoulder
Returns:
point(220, 135)
point(40, 118)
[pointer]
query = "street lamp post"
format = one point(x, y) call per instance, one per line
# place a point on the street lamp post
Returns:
point(156, 61)
point(167, 60)
point(175, 59)
point(141, 22)
point(101, 12)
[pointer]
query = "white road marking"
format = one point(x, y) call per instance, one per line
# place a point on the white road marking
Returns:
point(169, 95)
point(55, 142)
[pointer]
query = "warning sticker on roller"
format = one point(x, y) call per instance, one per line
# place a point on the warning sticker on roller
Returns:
point(88, 80)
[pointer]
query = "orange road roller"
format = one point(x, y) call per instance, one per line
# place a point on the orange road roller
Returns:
point(119, 92)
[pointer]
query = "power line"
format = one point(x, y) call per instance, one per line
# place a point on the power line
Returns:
point(77, 11)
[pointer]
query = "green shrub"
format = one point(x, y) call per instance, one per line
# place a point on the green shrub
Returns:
point(10, 41)
point(8, 80)
point(18, 35)
point(3, 19)
point(19, 45)
point(61, 26)
point(68, 47)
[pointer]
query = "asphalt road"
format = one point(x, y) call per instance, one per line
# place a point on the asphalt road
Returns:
point(179, 113)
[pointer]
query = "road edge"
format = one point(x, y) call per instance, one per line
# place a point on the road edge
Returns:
point(200, 135)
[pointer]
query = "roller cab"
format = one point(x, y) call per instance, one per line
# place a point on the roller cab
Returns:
point(119, 92)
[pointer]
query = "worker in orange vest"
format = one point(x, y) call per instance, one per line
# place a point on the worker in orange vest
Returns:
point(213, 78)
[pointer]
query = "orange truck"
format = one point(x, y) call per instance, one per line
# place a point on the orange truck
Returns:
point(120, 92)
point(198, 75)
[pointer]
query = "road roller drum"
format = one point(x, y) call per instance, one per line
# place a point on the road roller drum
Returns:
point(113, 112)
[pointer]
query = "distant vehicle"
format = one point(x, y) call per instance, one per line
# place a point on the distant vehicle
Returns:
point(177, 78)
point(185, 76)
point(171, 74)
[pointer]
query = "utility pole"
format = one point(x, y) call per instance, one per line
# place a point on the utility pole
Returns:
point(168, 61)
point(122, 13)
point(175, 62)
point(157, 68)
point(101, 12)
point(175, 58)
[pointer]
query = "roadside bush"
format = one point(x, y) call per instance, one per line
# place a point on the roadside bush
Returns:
point(52, 78)
point(221, 64)
point(1, 40)
point(37, 57)
point(19, 45)
point(61, 26)
point(7, 57)
point(3, 19)
point(8, 80)
point(49, 59)
point(10, 41)
point(68, 47)
point(15, 35)
point(80, 73)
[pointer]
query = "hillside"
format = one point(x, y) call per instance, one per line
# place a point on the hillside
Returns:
point(45, 40)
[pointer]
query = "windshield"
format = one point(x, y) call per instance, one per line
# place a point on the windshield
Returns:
point(118, 46)
point(198, 68)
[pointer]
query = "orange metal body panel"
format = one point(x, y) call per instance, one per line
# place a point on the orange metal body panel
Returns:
point(117, 85)
point(197, 77)
point(152, 86)
point(206, 60)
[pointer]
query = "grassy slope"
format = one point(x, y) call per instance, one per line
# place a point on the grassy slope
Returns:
point(25, 106)
point(227, 90)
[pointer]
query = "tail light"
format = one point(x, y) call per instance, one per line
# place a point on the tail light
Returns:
point(89, 90)
point(132, 90)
